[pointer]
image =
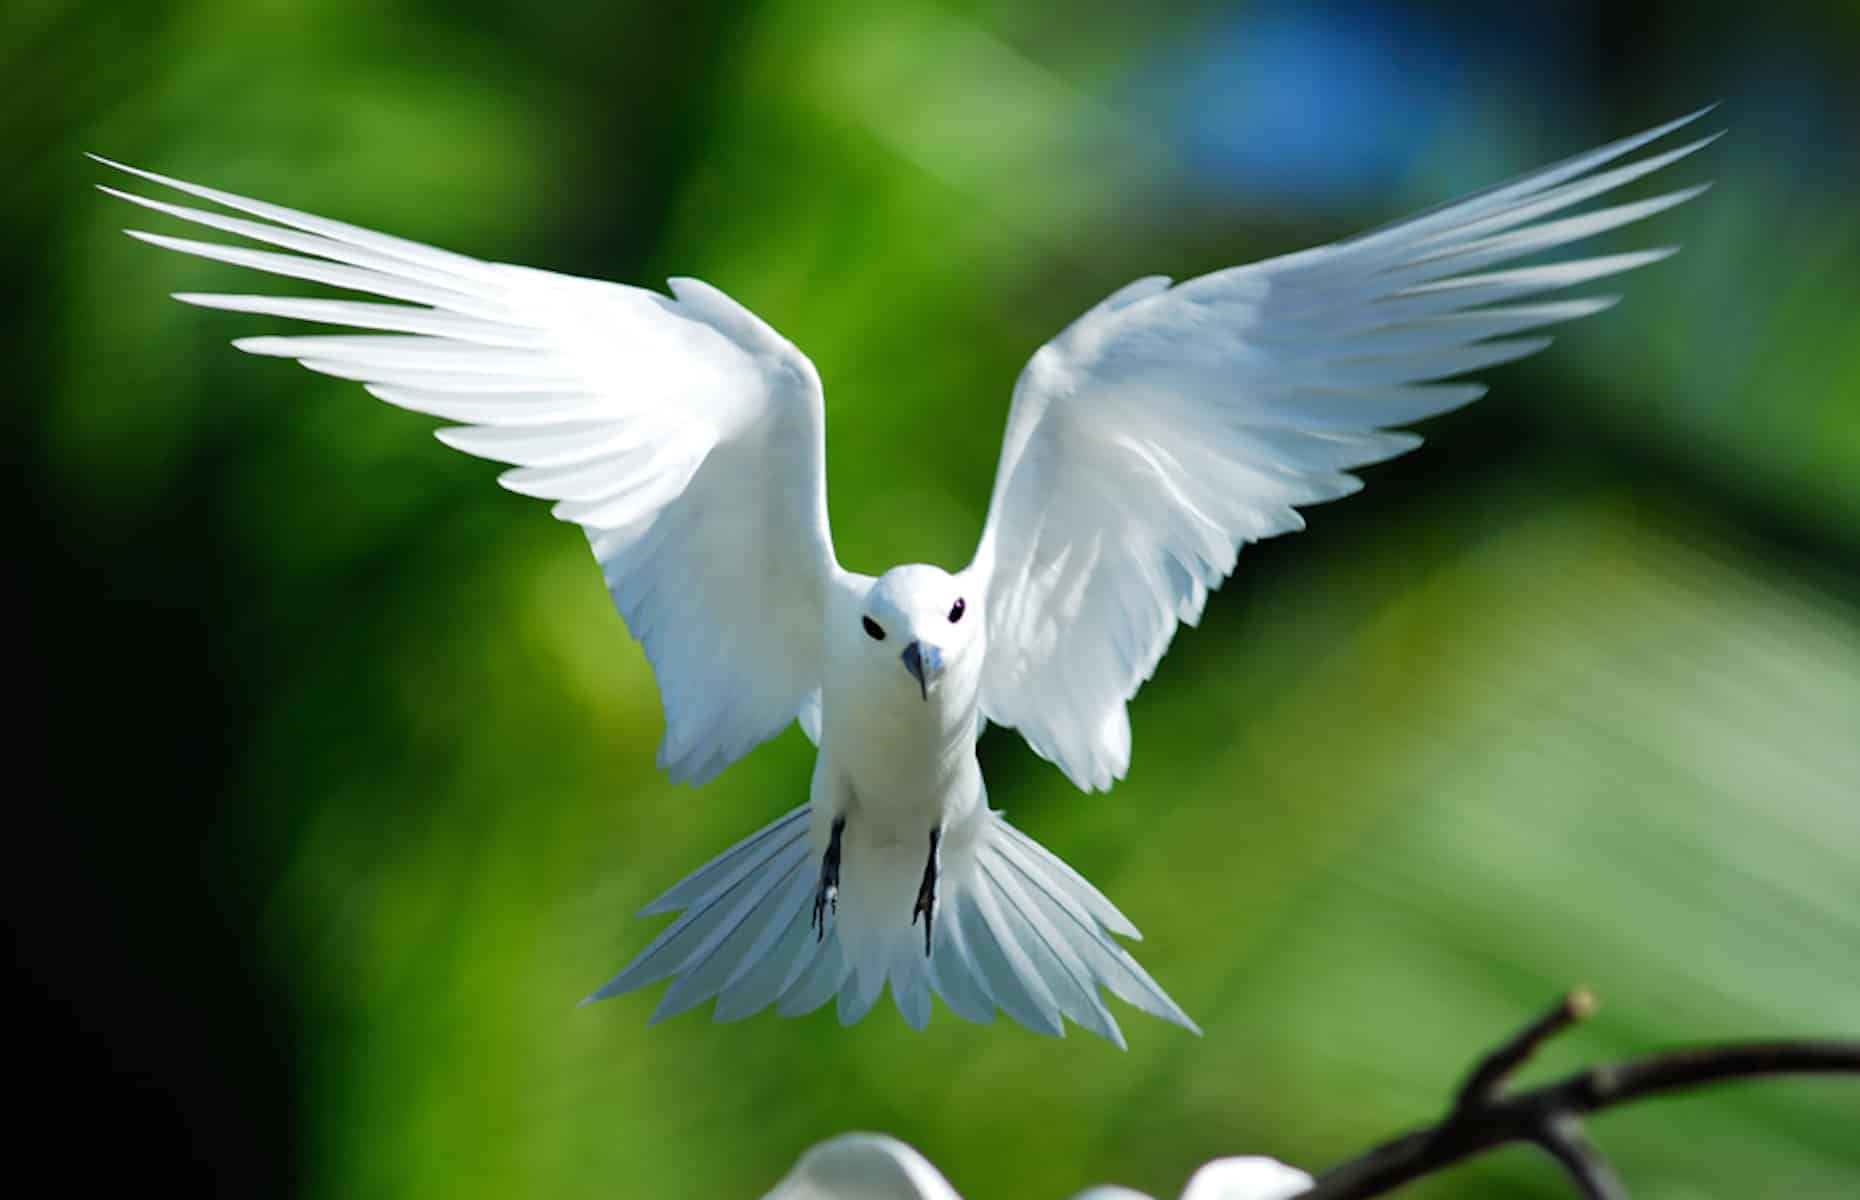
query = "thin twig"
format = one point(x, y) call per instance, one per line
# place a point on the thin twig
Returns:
point(1481, 1087)
point(1483, 1117)
point(1566, 1142)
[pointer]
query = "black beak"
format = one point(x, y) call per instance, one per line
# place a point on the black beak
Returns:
point(924, 663)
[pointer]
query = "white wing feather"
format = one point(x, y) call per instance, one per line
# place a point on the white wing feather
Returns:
point(1169, 426)
point(683, 434)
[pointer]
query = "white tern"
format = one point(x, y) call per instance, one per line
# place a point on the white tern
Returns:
point(1149, 441)
point(874, 1166)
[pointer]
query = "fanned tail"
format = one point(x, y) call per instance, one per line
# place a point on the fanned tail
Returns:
point(1016, 929)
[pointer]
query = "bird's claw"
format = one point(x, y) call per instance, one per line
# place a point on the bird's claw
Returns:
point(827, 893)
point(826, 898)
point(926, 891)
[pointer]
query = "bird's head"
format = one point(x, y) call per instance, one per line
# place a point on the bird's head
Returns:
point(921, 619)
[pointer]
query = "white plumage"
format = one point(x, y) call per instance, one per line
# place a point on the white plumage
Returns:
point(1146, 444)
point(872, 1166)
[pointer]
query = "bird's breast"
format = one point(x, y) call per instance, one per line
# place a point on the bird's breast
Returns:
point(912, 760)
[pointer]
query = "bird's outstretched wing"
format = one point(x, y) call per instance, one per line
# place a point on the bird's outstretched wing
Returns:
point(1169, 426)
point(683, 434)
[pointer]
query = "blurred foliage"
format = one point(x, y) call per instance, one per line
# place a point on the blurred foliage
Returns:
point(353, 788)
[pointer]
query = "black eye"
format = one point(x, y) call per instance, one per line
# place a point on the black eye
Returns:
point(873, 630)
point(956, 610)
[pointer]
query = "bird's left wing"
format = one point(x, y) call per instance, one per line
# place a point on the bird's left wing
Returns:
point(1169, 426)
point(681, 433)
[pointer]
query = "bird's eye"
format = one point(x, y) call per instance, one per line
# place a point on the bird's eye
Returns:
point(873, 630)
point(956, 610)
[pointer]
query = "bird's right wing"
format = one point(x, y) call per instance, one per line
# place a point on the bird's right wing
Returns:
point(1169, 426)
point(681, 433)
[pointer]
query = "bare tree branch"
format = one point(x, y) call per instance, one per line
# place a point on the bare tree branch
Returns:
point(1483, 1117)
point(1482, 1086)
point(1565, 1141)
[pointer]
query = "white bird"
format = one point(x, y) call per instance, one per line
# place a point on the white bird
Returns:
point(872, 1166)
point(1146, 444)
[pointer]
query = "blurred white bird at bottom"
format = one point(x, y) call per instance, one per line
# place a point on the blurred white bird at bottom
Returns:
point(872, 1166)
point(1146, 444)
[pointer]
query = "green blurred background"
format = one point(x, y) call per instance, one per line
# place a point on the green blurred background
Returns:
point(350, 791)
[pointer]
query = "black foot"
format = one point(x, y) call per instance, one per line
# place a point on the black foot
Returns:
point(827, 895)
point(926, 891)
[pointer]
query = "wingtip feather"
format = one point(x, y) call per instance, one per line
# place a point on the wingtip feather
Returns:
point(1677, 123)
point(266, 347)
point(138, 172)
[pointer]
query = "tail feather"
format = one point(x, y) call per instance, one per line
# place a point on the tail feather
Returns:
point(859, 992)
point(749, 873)
point(803, 961)
point(693, 886)
point(910, 988)
point(958, 986)
point(759, 977)
point(713, 963)
point(1109, 963)
point(1004, 974)
point(1038, 861)
point(1016, 930)
point(1066, 973)
point(824, 975)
